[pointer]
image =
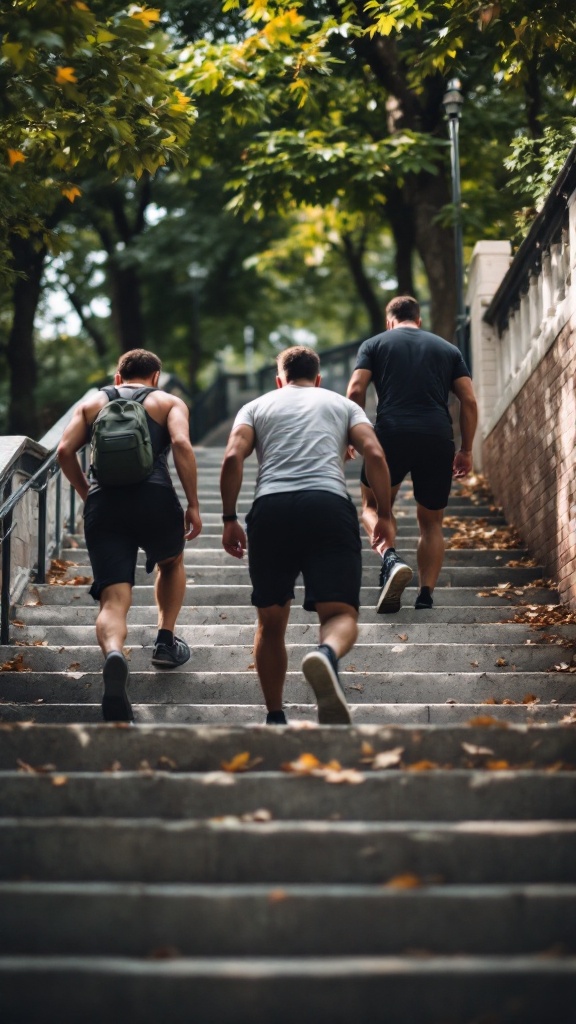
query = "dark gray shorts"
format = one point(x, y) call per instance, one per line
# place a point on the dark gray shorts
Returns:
point(315, 533)
point(426, 458)
point(119, 520)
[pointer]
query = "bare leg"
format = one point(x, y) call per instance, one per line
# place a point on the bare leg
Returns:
point(169, 591)
point(270, 652)
point(338, 626)
point(370, 516)
point(111, 628)
point(430, 545)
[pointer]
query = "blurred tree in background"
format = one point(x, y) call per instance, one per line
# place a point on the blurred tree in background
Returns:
point(173, 174)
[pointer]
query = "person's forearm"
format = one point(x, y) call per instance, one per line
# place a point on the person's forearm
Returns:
point(379, 476)
point(231, 482)
point(468, 424)
point(185, 463)
point(73, 472)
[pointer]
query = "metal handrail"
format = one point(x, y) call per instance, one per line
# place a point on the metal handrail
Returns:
point(38, 482)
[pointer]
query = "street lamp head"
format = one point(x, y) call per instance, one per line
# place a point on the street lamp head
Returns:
point(453, 98)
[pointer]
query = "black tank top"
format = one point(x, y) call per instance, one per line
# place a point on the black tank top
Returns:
point(160, 438)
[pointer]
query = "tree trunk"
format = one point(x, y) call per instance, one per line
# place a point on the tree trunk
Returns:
point(435, 244)
point(22, 412)
point(126, 306)
point(364, 285)
point(401, 220)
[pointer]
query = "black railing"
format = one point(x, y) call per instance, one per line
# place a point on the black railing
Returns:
point(38, 478)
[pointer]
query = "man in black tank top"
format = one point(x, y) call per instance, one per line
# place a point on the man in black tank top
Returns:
point(413, 372)
point(118, 520)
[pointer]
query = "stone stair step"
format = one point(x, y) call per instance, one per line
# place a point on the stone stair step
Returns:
point(383, 631)
point(186, 713)
point(433, 795)
point(510, 990)
point(215, 555)
point(192, 615)
point(370, 657)
point(239, 593)
point(149, 850)
point(202, 749)
point(236, 572)
point(123, 919)
point(181, 687)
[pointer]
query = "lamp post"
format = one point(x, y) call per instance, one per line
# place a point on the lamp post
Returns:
point(452, 102)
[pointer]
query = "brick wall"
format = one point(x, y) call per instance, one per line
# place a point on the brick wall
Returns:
point(528, 459)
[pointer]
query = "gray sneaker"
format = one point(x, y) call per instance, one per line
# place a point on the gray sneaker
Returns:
point(170, 655)
point(320, 669)
point(394, 576)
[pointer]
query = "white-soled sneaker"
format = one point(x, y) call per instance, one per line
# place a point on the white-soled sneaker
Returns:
point(320, 669)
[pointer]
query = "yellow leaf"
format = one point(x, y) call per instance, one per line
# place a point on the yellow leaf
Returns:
point(15, 157)
point(303, 765)
point(147, 16)
point(65, 75)
point(71, 193)
point(169, 140)
point(181, 101)
point(239, 763)
point(80, 5)
point(404, 881)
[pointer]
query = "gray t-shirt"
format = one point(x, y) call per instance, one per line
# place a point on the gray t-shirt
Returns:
point(301, 438)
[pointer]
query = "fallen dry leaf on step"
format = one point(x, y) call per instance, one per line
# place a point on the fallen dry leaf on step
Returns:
point(480, 533)
point(529, 698)
point(59, 780)
point(261, 814)
point(346, 775)
point(402, 636)
point(501, 663)
point(388, 758)
point(15, 664)
point(471, 748)
point(240, 763)
point(17, 623)
point(404, 881)
point(309, 764)
point(486, 721)
point(497, 766)
point(422, 766)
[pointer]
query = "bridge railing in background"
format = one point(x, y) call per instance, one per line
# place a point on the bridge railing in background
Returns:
point(37, 507)
point(523, 319)
point(230, 391)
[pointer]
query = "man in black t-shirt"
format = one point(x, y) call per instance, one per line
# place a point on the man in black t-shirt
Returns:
point(413, 372)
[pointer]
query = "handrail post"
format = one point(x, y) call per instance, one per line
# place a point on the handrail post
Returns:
point(5, 590)
point(58, 512)
point(42, 509)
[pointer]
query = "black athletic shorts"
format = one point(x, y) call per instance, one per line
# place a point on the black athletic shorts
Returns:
point(120, 520)
point(315, 533)
point(426, 458)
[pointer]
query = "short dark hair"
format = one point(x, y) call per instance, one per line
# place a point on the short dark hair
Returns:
point(138, 363)
point(298, 363)
point(403, 307)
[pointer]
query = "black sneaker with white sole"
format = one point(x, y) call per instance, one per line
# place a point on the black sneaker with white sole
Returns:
point(170, 655)
point(116, 706)
point(320, 669)
point(395, 575)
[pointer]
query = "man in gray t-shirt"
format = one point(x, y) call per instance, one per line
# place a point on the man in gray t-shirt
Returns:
point(303, 520)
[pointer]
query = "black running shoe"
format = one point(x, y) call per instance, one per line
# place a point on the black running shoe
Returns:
point(276, 718)
point(170, 655)
point(424, 599)
point(394, 576)
point(320, 669)
point(115, 704)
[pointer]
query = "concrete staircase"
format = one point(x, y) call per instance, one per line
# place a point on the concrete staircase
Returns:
point(417, 867)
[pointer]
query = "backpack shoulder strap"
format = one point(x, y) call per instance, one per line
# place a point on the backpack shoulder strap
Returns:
point(142, 393)
point(111, 392)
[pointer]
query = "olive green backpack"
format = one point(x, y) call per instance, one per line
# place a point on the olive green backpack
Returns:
point(121, 446)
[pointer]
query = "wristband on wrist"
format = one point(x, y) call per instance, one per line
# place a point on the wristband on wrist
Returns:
point(466, 451)
point(230, 519)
